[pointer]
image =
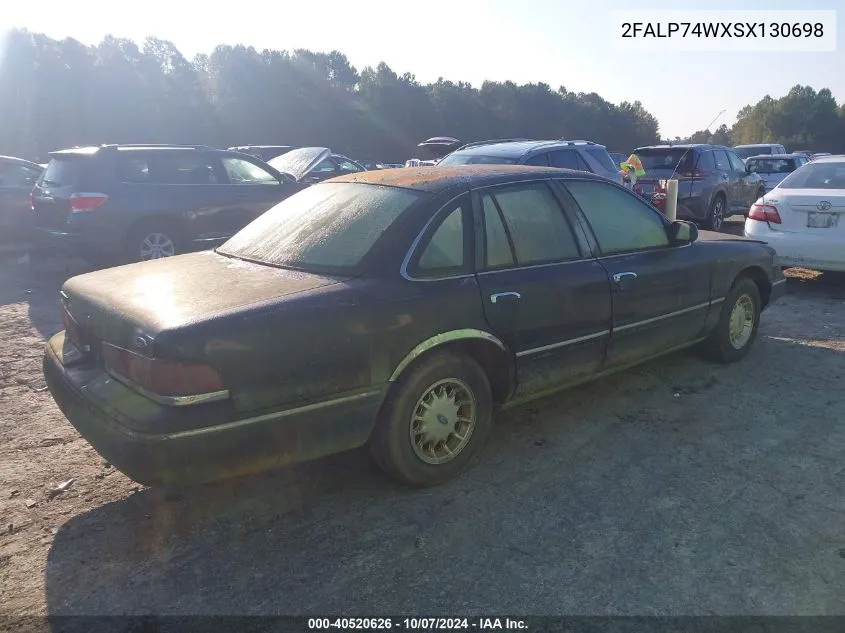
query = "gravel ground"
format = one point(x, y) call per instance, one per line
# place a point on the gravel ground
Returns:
point(677, 488)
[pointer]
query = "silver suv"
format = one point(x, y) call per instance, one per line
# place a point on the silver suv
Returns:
point(579, 155)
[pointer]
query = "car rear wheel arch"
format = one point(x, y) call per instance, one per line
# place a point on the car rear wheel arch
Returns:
point(760, 279)
point(485, 349)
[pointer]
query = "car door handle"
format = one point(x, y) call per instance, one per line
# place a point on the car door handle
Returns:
point(620, 277)
point(496, 297)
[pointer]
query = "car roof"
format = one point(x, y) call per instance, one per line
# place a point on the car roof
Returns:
point(776, 156)
point(20, 161)
point(95, 149)
point(438, 179)
point(832, 158)
point(516, 148)
point(760, 145)
point(682, 146)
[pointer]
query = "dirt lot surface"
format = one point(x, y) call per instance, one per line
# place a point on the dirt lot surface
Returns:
point(680, 487)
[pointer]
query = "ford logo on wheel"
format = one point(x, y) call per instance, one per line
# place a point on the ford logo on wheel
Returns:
point(824, 205)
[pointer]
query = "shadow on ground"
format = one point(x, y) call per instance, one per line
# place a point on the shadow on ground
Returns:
point(676, 488)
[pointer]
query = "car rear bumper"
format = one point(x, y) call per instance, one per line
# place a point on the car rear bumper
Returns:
point(815, 250)
point(53, 240)
point(240, 447)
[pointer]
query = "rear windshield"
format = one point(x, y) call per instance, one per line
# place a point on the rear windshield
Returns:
point(771, 165)
point(476, 159)
point(324, 228)
point(668, 158)
point(62, 172)
point(602, 158)
point(816, 176)
point(757, 150)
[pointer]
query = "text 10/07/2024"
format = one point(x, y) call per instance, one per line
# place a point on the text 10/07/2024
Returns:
point(418, 624)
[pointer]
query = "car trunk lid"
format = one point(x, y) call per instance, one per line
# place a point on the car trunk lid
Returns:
point(818, 211)
point(130, 306)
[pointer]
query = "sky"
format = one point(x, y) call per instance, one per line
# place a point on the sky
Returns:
point(559, 42)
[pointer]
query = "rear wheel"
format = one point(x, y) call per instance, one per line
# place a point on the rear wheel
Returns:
point(716, 217)
point(736, 331)
point(152, 240)
point(435, 420)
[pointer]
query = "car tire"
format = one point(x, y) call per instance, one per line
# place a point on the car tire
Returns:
point(734, 335)
point(435, 420)
point(152, 240)
point(716, 216)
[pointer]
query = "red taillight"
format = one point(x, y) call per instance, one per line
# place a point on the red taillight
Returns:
point(695, 173)
point(165, 378)
point(764, 213)
point(86, 201)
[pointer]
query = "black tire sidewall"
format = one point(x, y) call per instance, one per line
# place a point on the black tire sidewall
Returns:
point(711, 224)
point(392, 443)
point(723, 349)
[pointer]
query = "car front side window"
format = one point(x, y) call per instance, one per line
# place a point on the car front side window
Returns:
point(621, 222)
point(243, 172)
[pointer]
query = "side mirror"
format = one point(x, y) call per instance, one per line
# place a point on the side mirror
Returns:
point(681, 232)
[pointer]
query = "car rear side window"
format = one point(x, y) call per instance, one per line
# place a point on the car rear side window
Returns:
point(722, 161)
point(706, 160)
point(445, 249)
point(601, 157)
point(62, 172)
point(167, 168)
point(524, 224)
point(620, 221)
point(568, 159)
point(539, 160)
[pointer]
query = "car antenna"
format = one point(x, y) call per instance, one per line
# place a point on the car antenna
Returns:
point(684, 155)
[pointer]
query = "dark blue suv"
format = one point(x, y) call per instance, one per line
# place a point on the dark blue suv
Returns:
point(578, 155)
point(126, 203)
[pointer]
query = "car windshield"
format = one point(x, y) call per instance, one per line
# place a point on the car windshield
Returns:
point(476, 159)
point(328, 227)
point(816, 176)
point(754, 150)
point(771, 165)
point(665, 158)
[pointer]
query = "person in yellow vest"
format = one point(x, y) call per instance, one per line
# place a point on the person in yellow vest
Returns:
point(631, 170)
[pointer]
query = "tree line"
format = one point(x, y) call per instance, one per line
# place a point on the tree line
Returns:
point(803, 119)
point(63, 93)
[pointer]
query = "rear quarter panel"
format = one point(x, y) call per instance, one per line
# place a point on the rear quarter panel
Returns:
point(731, 256)
point(330, 341)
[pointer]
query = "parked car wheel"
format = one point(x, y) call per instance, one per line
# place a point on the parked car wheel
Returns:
point(152, 240)
point(717, 213)
point(434, 421)
point(736, 332)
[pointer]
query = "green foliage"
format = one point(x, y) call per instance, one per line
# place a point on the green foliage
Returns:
point(62, 93)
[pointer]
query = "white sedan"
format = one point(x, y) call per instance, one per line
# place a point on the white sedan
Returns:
point(803, 217)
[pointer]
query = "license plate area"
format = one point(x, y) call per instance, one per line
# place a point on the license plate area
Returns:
point(822, 220)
